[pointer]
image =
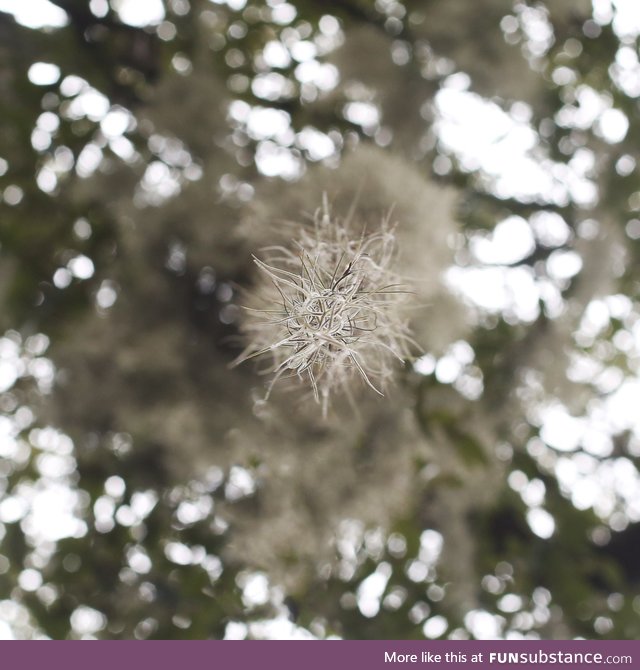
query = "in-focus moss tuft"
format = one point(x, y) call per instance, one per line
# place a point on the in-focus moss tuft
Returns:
point(328, 310)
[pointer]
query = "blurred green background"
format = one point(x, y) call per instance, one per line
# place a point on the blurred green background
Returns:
point(147, 149)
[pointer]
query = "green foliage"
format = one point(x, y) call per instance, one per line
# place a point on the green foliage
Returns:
point(146, 489)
